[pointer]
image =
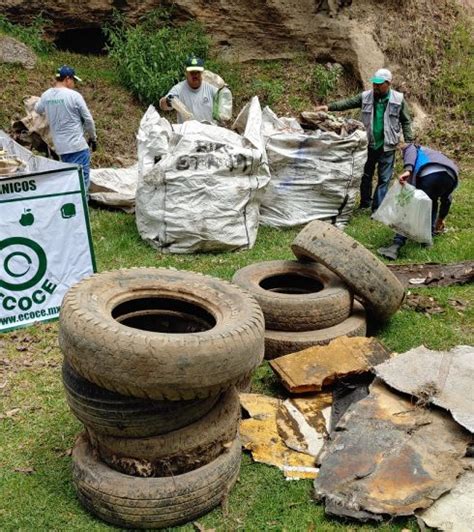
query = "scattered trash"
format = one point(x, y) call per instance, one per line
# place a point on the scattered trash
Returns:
point(443, 378)
point(316, 367)
point(389, 457)
point(303, 424)
point(25, 470)
point(275, 425)
point(458, 304)
point(420, 303)
point(434, 274)
point(328, 122)
point(347, 392)
point(453, 511)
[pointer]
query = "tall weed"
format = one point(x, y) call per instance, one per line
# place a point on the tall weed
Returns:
point(32, 35)
point(325, 78)
point(150, 57)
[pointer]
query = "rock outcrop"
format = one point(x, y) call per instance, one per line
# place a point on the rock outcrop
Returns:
point(362, 35)
point(13, 51)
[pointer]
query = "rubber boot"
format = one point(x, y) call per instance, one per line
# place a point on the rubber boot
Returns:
point(391, 252)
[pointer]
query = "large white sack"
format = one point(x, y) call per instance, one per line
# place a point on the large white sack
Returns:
point(153, 139)
point(205, 192)
point(313, 175)
point(114, 187)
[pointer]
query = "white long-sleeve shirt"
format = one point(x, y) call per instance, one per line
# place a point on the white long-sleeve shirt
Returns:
point(68, 117)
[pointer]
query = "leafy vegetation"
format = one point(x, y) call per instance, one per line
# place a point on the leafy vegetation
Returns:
point(150, 57)
point(32, 35)
point(325, 78)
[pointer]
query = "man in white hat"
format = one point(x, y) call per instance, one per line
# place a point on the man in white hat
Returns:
point(197, 95)
point(385, 115)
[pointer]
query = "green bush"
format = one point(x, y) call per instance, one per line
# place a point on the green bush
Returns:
point(268, 91)
point(325, 79)
point(150, 57)
point(32, 35)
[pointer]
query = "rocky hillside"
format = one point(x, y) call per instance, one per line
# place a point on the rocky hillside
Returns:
point(406, 35)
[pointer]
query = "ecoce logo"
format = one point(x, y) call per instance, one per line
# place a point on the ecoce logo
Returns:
point(23, 265)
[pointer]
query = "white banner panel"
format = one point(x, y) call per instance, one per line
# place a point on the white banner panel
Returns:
point(45, 243)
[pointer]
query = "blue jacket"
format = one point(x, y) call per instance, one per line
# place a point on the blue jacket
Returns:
point(417, 157)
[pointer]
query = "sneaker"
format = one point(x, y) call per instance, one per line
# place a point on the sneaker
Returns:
point(390, 252)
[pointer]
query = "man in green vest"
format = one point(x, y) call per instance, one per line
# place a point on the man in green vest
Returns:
point(385, 115)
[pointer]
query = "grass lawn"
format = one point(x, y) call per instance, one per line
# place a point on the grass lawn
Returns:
point(37, 429)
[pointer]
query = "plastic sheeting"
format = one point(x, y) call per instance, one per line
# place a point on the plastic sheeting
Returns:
point(314, 175)
point(200, 185)
point(114, 187)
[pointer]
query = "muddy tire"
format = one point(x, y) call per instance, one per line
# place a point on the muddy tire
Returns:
point(364, 273)
point(112, 414)
point(296, 296)
point(161, 334)
point(177, 452)
point(279, 343)
point(133, 502)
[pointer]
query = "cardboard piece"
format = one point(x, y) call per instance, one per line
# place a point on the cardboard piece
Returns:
point(314, 368)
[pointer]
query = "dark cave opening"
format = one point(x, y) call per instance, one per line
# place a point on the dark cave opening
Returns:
point(82, 41)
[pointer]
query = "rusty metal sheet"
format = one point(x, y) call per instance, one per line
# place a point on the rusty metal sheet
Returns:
point(433, 274)
point(453, 511)
point(285, 434)
point(444, 378)
point(316, 367)
point(389, 457)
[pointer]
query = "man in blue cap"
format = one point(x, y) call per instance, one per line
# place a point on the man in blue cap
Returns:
point(197, 95)
point(69, 118)
point(385, 115)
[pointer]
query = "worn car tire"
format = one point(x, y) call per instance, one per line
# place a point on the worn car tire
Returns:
point(177, 452)
point(134, 502)
point(161, 334)
point(279, 343)
point(296, 296)
point(362, 271)
point(113, 414)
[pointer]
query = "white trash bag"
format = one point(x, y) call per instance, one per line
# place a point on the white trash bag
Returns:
point(407, 210)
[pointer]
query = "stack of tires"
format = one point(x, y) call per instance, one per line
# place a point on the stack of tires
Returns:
point(152, 358)
point(310, 301)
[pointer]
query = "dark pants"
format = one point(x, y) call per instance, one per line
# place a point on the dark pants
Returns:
point(385, 161)
point(438, 186)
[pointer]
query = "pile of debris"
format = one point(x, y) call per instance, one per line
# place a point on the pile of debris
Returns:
point(322, 121)
point(384, 435)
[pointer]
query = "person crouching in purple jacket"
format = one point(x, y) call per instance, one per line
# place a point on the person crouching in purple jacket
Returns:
point(431, 171)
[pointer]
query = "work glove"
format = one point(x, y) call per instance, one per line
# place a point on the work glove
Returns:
point(92, 145)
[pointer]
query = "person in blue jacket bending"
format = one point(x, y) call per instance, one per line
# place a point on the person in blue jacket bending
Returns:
point(434, 173)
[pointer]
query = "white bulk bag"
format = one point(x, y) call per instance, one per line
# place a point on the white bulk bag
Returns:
point(313, 175)
point(204, 194)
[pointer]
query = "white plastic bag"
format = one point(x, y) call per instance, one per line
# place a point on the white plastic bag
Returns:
point(407, 210)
